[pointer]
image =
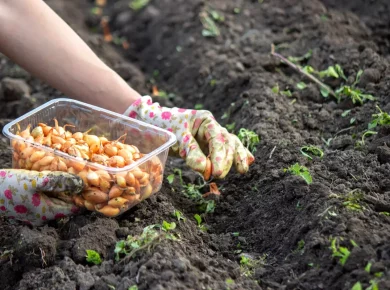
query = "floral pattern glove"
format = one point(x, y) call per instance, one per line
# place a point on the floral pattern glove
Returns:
point(28, 196)
point(197, 133)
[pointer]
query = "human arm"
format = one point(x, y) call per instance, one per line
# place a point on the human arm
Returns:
point(36, 38)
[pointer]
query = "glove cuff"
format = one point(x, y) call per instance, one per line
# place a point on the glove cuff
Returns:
point(133, 110)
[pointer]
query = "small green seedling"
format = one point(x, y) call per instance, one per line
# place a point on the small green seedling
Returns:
point(198, 106)
point(93, 257)
point(300, 247)
point(342, 253)
point(150, 237)
point(298, 59)
point(357, 286)
point(166, 226)
point(286, 93)
point(329, 72)
point(230, 127)
point(201, 226)
point(361, 142)
point(193, 192)
point(137, 5)
point(249, 139)
point(381, 118)
point(210, 28)
point(134, 287)
point(368, 267)
point(385, 213)
point(248, 265)
point(312, 150)
point(301, 171)
point(275, 89)
point(352, 201)
point(179, 215)
point(301, 85)
point(354, 94)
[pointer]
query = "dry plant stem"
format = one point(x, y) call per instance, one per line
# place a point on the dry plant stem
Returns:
point(297, 68)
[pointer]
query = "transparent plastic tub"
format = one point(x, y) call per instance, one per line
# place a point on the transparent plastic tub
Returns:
point(117, 189)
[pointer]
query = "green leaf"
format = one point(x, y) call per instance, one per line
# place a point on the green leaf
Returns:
point(138, 4)
point(198, 107)
point(352, 120)
point(368, 267)
point(329, 72)
point(168, 226)
point(134, 287)
point(324, 92)
point(171, 178)
point(345, 113)
point(286, 93)
point(298, 59)
point(93, 257)
point(198, 219)
point(357, 286)
point(308, 69)
point(358, 75)
point(275, 89)
point(301, 85)
point(340, 72)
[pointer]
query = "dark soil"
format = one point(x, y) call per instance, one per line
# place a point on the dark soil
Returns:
point(271, 216)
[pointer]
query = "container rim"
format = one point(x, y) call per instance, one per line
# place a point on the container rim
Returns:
point(172, 137)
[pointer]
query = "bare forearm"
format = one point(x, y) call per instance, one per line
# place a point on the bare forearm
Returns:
point(36, 38)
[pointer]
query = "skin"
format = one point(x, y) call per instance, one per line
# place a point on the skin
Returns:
point(37, 39)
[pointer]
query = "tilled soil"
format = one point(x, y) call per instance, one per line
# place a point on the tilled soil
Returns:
point(283, 224)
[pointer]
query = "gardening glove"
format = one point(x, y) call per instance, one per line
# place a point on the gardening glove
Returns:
point(28, 196)
point(197, 134)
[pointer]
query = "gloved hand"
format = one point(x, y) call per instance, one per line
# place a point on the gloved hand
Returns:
point(28, 196)
point(198, 134)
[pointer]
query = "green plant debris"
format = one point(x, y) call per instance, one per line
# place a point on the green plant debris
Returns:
point(248, 265)
point(230, 127)
point(171, 178)
point(385, 213)
point(201, 226)
point(357, 286)
point(342, 253)
point(299, 59)
point(361, 142)
point(373, 285)
point(275, 89)
point(249, 139)
point(137, 5)
point(345, 113)
point(354, 94)
point(166, 226)
point(301, 171)
point(179, 215)
point(193, 192)
point(301, 85)
point(210, 28)
point(93, 257)
point(368, 267)
point(352, 201)
point(151, 236)
point(286, 93)
point(198, 106)
point(357, 80)
point(311, 150)
point(329, 72)
point(381, 118)
point(134, 287)
point(300, 247)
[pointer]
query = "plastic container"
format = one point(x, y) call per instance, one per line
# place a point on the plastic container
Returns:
point(133, 183)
